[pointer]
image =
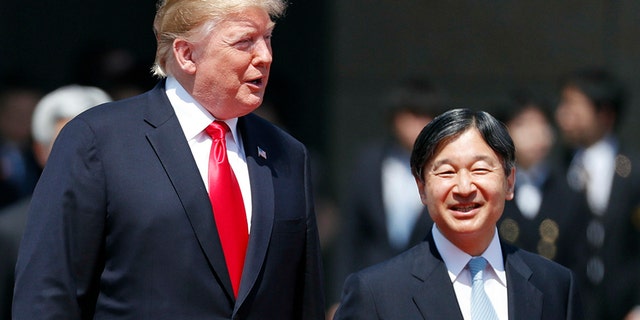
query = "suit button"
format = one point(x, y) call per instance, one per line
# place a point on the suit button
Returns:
point(596, 233)
point(595, 270)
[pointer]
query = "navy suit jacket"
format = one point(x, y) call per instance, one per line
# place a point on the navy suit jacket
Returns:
point(416, 285)
point(121, 227)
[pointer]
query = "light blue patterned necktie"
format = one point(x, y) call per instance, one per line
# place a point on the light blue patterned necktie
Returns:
point(481, 308)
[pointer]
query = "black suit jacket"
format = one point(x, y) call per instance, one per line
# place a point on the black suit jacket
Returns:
point(121, 225)
point(416, 285)
point(552, 233)
point(12, 221)
point(619, 248)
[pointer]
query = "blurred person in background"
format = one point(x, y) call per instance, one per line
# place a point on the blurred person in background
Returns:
point(179, 203)
point(383, 215)
point(51, 113)
point(18, 169)
point(545, 212)
point(589, 112)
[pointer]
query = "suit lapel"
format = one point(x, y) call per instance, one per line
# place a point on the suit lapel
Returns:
point(257, 152)
point(169, 144)
point(436, 291)
point(525, 300)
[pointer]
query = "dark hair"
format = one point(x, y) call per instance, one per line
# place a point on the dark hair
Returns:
point(520, 100)
point(600, 87)
point(452, 124)
point(416, 95)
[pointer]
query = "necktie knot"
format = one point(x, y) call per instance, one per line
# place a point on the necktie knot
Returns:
point(476, 265)
point(216, 130)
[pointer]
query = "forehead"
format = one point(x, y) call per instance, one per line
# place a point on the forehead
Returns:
point(527, 117)
point(572, 93)
point(247, 18)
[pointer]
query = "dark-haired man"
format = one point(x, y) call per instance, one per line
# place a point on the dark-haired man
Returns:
point(464, 166)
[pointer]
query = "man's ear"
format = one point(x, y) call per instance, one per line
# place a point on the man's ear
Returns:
point(420, 185)
point(183, 52)
point(511, 184)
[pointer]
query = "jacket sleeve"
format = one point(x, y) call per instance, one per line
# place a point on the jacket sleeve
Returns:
point(313, 277)
point(357, 301)
point(60, 257)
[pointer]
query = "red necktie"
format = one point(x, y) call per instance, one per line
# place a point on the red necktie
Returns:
point(228, 207)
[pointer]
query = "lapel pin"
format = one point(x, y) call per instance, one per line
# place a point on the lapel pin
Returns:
point(262, 153)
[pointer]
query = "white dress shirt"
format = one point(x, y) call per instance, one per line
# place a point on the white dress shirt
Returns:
point(193, 119)
point(528, 195)
point(401, 199)
point(495, 279)
point(599, 161)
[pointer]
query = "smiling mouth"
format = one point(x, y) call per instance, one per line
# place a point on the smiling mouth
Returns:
point(465, 208)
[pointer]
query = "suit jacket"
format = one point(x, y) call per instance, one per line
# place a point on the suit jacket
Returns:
point(619, 249)
point(416, 285)
point(12, 221)
point(365, 239)
point(552, 233)
point(121, 227)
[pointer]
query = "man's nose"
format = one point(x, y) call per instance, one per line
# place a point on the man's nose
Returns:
point(464, 183)
point(262, 53)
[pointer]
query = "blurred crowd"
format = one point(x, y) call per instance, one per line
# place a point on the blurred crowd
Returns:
point(577, 191)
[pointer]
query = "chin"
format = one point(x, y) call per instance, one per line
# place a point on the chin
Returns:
point(246, 109)
point(469, 227)
point(251, 101)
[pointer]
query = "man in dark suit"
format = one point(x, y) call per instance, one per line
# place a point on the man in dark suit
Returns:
point(589, 113)
point(464, 165)
point(121, 224)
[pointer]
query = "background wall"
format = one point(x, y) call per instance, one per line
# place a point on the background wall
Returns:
point(44, 41)
point(334, 60)
point(476, 50)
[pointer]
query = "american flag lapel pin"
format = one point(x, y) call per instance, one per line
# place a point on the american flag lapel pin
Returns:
point(262, 153)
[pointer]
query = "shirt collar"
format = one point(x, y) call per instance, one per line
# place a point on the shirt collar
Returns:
point(536, 175)
point(606, 147)
point(193, 117)
point(456, 260)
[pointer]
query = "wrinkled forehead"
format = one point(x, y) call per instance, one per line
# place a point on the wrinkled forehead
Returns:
point(249, 18)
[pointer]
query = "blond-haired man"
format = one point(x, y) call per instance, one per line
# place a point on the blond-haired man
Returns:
point(125, 221)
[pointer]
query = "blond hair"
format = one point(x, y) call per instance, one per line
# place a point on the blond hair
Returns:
point(185, 18)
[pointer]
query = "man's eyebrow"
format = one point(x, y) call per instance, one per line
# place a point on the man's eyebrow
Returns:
point(483, 158)
point(271, 26)
point(475, 159)
point(440, 162)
